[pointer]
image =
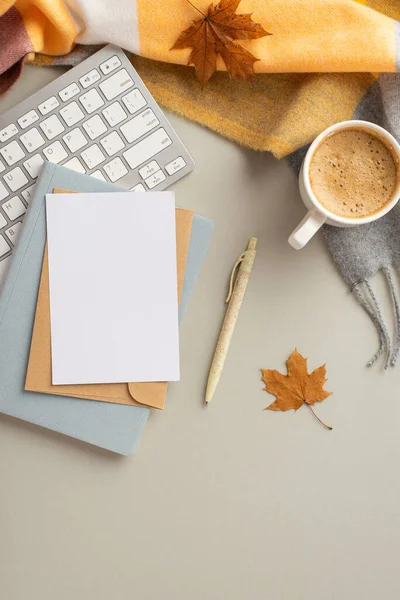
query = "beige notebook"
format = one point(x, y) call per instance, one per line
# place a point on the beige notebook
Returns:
point(38, 377)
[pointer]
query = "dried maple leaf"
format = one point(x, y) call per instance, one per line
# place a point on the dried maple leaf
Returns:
point(296, 388)
point(215, 33)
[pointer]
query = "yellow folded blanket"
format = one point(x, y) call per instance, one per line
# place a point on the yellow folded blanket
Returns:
point(314, 69)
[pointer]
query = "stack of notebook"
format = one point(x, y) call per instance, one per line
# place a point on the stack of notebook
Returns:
point(110, 415)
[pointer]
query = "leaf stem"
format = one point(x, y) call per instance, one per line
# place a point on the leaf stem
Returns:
point(195, 7)
point(318, 419)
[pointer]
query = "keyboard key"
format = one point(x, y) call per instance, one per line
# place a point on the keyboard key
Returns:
point(89, 78)
point(75, 140)
point(69, 92)
point(93, 156)
point(48, 105)
point(28, 119)
point(114, 114)
point(3, 191)
point(112, 143)
point(55, 153)
point(33, 165)
point(110, 65)
point(175, 165)
point(149, 169)
point(94, 127)
point(13, 232)
point(15, 179)
point(115, 169)
point(71, 114)
point(75, 165)
point(3, 221)
point(14, 208)
point(147, 148)
point(12, 153)
point(98, 175)
point(91, 101)
point(155, 179)
point(8, 132)
point(52, 127)
point(116, 84)
point(4, 247)
point(140, 125)
point(27, 194)
point(134, 101)
point(138, 188)
point(2, 167)
point(32, 140)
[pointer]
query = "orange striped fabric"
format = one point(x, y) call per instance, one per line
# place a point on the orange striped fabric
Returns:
point(321, 59)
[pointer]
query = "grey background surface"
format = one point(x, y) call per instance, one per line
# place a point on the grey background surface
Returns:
point(228, 501)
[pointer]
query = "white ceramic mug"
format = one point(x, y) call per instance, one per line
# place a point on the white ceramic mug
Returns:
point(318, 215)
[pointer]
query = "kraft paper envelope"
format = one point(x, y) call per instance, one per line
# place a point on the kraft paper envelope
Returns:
point(38, 377)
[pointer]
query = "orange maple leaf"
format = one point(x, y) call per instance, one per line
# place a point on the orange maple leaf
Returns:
point(215, 33)
point(296, 388)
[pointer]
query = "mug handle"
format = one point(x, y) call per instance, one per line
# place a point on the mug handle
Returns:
point(306, 229)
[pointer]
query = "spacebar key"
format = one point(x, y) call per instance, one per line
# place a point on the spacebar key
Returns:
point(147, 148)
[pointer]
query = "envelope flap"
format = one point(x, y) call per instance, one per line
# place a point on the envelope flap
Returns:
point(142, 392)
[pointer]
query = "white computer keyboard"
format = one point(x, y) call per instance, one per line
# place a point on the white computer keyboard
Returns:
point(98, 118)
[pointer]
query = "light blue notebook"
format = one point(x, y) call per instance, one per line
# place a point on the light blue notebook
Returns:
point(112, 426)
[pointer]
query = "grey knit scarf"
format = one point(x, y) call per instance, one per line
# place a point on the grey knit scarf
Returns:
point(360, 252)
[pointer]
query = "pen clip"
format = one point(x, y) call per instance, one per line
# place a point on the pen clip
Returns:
point(235, 266)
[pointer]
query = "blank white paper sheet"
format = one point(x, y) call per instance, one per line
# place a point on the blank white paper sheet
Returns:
point(113, 287)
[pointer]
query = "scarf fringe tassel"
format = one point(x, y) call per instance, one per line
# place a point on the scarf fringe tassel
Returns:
point(365, 296)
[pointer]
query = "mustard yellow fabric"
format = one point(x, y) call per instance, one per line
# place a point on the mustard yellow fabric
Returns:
point(315, 47)
point(278, 112)
point(307, 35)
point(321, 59)
point(48, 24)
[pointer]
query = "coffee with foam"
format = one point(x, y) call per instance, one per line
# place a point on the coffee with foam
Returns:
point(354, 173)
